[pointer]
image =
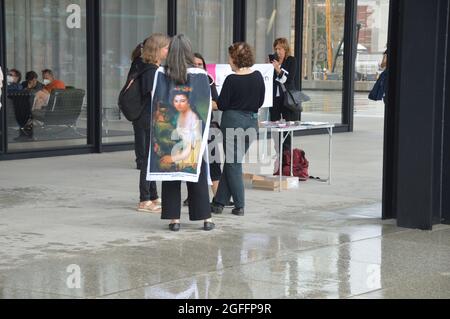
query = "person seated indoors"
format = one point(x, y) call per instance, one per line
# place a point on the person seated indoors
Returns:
point(13, 79)
point(51, 83)
point(31, 82)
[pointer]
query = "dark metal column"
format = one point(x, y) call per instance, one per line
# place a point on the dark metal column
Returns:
point(350, 40)
point(299, 9)
point(445, 218)
point(391, 115)
point(172, 17)
point(419, 83)
point(94, 83)
point(441, 88)
point(239, 20)
point(3, 124)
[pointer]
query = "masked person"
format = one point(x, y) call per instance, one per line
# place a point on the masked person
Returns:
point(51, 83)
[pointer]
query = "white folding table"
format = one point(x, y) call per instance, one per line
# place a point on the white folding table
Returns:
point(290, 129)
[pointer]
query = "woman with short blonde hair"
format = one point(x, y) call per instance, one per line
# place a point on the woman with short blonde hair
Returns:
point(152, 46)
point(147, 58)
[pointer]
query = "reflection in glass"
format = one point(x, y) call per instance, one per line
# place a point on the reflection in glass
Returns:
point(373, 21)
point(124, 25)
point(46, 34)
point(209, 26)
point(322, 74)
point(268, 20)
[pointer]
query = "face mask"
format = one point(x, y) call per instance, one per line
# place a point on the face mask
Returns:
point(10, 79)
point(47, 82)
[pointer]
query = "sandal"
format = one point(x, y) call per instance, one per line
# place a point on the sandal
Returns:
point(149, 207)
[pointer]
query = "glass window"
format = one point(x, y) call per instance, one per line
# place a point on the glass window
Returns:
point(209, 26)
point(323, 53)
point(125, 24)
point(268, 20)
point(46, 34)
point(372, 26)
point(373, 23)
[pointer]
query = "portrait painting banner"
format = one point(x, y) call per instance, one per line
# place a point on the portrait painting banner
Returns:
point(181, 116)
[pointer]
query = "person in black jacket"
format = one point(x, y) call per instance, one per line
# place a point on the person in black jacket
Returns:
point(139, 133)
point(148, 55)
point(285, 70)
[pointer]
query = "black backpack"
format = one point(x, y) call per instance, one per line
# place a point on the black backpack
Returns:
point(131, 101)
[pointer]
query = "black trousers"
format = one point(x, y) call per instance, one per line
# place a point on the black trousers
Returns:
point(139, 144)
point(276, 112)
point(198, 194)
point(147, 190)
point(214, 167)
point(22, 109)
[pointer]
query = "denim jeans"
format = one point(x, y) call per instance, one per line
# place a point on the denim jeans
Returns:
point(235, 148)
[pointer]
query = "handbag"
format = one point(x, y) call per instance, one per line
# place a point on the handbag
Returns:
point(378, 90)
point(293, 99)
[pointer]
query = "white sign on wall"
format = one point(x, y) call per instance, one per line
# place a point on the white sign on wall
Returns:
point(221, 71)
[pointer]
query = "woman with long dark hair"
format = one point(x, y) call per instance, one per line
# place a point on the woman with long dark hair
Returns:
point(179, 60)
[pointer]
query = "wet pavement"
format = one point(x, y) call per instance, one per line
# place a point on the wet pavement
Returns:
point(69, 229)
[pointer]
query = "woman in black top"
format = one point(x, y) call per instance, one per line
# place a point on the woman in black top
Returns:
point(154, 50)
point(285, 69)
point(241, 98)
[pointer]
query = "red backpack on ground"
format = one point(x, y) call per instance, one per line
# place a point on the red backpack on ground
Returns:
point(300, 167)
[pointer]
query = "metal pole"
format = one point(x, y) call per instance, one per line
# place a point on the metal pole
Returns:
point(281, 139)
point(292, 151)
point(330, 145)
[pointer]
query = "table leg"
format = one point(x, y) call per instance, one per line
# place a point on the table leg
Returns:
point(281, 158)
point(292, 152)
point(330, 145)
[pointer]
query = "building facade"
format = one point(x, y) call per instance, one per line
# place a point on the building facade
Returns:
point(88, 43)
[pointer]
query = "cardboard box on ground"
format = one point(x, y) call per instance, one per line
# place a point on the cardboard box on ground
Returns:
point(270, 182)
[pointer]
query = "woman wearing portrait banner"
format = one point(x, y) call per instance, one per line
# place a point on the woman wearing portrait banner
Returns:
point(180, 127)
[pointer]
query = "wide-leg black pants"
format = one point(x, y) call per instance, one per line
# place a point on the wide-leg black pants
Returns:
point(198, 194)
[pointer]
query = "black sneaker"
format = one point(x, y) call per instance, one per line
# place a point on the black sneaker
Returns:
point(186, 202)
point(238, 211)
point(208, 226)
point(216, 208)
point(175, 227)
